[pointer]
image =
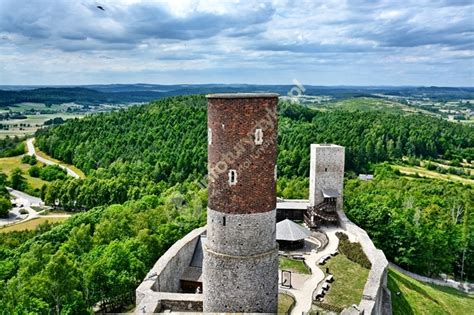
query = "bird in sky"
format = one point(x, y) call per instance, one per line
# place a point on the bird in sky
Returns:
point(100, 7)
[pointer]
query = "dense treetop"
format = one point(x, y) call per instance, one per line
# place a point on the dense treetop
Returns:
point(169, 136)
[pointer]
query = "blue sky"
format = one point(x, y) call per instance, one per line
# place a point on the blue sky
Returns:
point(266, 42)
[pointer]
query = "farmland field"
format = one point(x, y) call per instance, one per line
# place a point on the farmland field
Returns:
point(33, 123)
point(422, 172)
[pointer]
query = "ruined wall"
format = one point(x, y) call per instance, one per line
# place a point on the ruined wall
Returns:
point(165, 274)
point(376, 296)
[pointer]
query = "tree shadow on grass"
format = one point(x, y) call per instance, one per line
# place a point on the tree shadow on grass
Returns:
point(399, 303)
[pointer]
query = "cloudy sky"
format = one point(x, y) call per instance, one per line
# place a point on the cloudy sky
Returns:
point(353, 42)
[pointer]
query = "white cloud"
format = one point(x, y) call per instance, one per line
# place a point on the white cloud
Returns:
point(46, 41)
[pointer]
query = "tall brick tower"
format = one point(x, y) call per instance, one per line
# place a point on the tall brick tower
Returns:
point(240, 268)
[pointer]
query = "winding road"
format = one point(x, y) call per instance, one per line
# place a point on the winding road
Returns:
point(24, 201)
point(32, 151)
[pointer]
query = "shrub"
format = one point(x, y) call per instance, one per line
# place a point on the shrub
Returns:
point(353, 251)
point(455, 162)
point(25, 159)
point(51, 172)
point(34, 171)
point(412, 161)
point(5, 206)
point(454, 171)
point(430, 166)
point(33, 160)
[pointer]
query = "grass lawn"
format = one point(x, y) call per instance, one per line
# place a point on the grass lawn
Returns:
point(32, 224)
point(349, 281)
point(294, 265)
point(8, 164)
point(423, 172)
point(420, 298)
point(72, 167)
point(285, 302)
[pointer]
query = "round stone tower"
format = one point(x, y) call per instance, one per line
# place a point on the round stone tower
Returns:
point(240, 268)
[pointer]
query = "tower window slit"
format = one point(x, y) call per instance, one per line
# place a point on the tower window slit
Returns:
point(232, 177)
point(258, 136)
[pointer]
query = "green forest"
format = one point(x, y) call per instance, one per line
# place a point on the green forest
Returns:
point(145, 188)
point(95, 258)
point(424, 225)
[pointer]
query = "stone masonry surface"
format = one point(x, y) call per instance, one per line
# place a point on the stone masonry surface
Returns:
point(326, 171)
point(243, 234)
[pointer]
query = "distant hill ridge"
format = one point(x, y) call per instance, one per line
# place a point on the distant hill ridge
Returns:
point(130, 93)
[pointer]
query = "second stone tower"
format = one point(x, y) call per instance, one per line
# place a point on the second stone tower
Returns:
point(240, 268)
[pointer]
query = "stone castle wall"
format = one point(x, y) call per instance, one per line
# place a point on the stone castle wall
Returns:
point(162, 281)
point(376, 296)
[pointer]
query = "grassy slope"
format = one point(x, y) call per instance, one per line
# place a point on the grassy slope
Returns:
point(294, 265)
point(420, 298)
point(7, 165)
point(31, 224)
point(284, 303)
point(349, 281)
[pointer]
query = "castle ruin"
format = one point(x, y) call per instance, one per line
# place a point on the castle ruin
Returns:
point(231, 265)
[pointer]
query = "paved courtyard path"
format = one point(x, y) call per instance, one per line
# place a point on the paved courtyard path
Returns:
point(304, 285)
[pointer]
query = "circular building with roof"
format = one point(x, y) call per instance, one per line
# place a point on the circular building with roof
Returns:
point(291, 235)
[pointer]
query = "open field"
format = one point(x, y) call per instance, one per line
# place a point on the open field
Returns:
point(72, 167)
point(32, 224)
point(294, 265)
point(8, 164)
point(379, 104)
point(349, 282)
point(23, 107)
point(422, 172)
point(419, 298)
point(34, 122)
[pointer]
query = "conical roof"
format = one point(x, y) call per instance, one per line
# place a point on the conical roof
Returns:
point(288, 230)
